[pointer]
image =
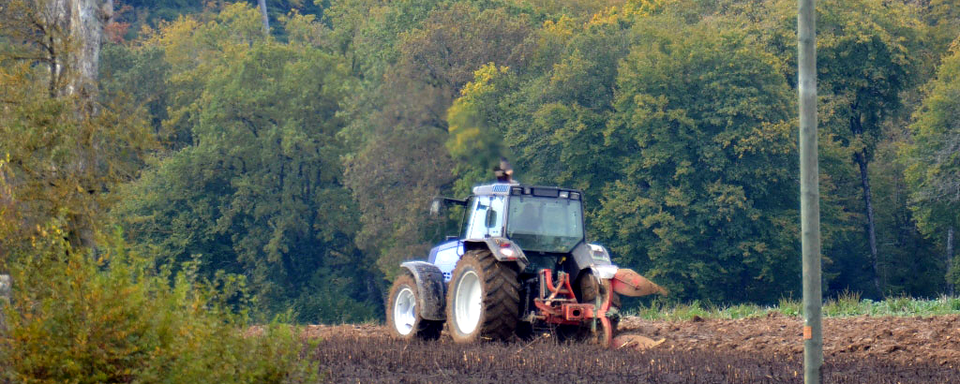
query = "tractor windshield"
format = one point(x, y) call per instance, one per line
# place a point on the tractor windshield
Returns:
point(543, 224)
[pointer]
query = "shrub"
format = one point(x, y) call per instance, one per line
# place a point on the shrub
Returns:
point(113, 316)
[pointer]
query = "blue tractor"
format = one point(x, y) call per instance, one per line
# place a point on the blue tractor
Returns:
point(521, 264)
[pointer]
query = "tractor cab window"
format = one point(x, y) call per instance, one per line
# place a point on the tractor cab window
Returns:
point(486, 217)
point(545, 224)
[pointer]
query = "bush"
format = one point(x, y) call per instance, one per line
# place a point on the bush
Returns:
point(112, 316)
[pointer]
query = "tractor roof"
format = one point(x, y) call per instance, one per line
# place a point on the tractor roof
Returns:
point(505, 189)
point(493, 189)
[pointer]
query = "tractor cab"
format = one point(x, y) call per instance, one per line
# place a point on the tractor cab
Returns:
point(536, 226)
point(538, 219)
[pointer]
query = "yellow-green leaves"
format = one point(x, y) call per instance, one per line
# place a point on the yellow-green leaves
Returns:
point(257, 190)
point(933, 158)
point(701, 122)
point(472, 139)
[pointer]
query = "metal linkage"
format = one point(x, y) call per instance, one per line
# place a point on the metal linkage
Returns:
point(558, 304)
point(562, 288)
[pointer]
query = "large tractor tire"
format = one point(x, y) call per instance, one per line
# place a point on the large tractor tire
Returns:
point(403, 314)
point(483, 299)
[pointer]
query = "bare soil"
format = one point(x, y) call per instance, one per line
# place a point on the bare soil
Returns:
point(901, 340)
point(756, 350)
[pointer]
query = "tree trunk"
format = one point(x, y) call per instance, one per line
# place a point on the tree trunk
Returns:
point(82, 21)
point(86, 31)
point(6, 287)
point(75, 72)
point(263, 13)
point(861, 160)
point(949, 259)
point(56, 20)
point(54, 66)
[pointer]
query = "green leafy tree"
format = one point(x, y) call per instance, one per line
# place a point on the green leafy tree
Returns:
point(866, 62)
point(701, 115)
point(476, 141)
point(943, 19)
point(913, 263)
point(402, 129)
point(576, 115)
point(869, 53)
point(63, 163)
point(933, 159)
point(259, 191)
point(367, 32)
point(65, 150)
point(560, 115)
point(139, 74)
point(550, 115)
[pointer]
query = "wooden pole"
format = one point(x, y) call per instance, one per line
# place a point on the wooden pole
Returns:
point(809, 193)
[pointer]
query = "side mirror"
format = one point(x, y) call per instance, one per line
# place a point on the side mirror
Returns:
point(435, 206)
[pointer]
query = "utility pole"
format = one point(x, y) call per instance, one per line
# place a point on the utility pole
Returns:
point(809, 193)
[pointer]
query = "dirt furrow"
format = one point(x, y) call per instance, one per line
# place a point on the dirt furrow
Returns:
point(756, 350)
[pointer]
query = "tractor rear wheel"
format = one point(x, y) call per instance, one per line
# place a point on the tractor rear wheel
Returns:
point(483, 300)
point(403, 313)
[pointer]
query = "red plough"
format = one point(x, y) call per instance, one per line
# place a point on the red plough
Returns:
point(557, 303)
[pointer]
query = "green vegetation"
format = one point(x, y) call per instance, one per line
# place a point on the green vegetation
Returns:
point(933, 157)
point(257, 191)
point(208, 174)
point(845, 305)
point(112, 316)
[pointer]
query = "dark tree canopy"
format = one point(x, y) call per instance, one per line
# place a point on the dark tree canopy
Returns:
point(299, 163)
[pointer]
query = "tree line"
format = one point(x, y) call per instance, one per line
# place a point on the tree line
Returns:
point(300, 161)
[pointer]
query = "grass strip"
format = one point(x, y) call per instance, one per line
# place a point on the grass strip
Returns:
point(847, 304)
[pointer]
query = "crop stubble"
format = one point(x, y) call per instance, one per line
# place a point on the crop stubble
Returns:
point(757, 350)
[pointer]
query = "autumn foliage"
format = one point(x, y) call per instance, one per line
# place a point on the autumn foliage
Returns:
point(217, 174)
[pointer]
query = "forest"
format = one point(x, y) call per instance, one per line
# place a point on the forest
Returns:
point(274, 160)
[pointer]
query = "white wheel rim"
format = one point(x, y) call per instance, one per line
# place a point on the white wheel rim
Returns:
point(468, 303)
point(405, 311)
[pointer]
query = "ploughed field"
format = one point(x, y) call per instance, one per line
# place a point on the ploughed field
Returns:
point(754, 350)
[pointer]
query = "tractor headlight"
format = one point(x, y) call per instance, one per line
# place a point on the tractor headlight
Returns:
point(507, 250)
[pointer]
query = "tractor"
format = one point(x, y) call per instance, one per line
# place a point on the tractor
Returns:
point(521, 266)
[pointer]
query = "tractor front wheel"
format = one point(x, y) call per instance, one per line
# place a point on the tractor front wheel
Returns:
point(403, 314)
point(483, 300)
